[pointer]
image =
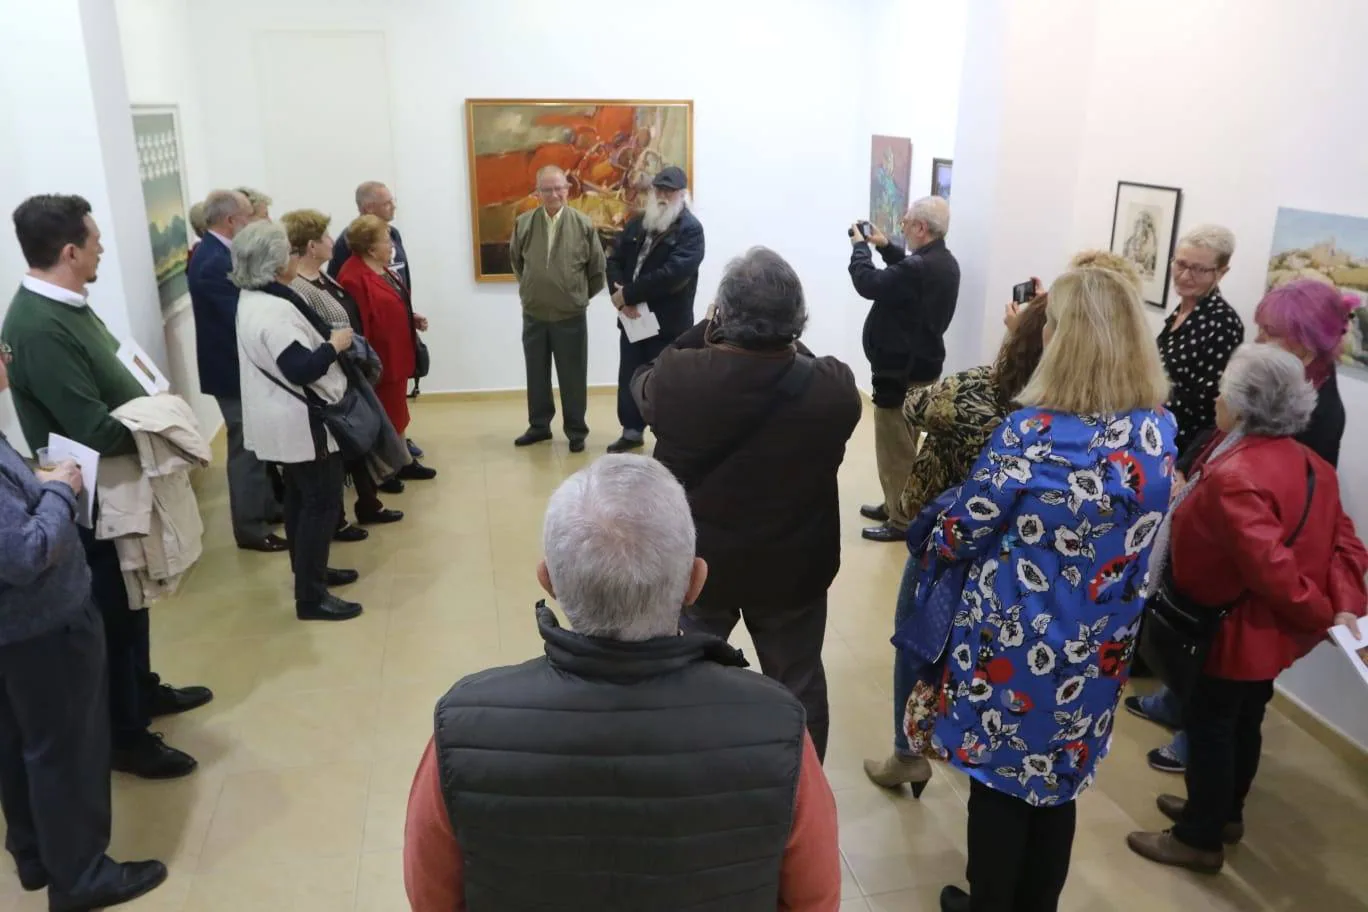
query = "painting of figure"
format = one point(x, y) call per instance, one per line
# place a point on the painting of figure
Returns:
point(1144, 231)
point(890, 182)
point(609, 150)
point(1328, 248)
point(1142, 240)
point(156, 133)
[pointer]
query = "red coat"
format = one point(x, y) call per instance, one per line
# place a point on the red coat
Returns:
point(1227, 546)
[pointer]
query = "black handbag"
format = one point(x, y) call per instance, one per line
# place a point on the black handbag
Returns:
point(1177, 633)
point(352, 421)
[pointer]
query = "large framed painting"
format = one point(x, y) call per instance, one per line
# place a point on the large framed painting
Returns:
point(890, 183)
point(1144, 231)
point(1327, 248)
point(941, 170)
point(157, 134)
point(608, 150)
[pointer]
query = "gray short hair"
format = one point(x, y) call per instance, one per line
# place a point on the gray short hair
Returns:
point(255, 197)
point(1266, 389)
point(760, 301)
point(197, 222)
point(365, 192)
point(933, 212)
point(1219, 239)
point(545, 170)
point(619, 541)
point(221, 205)
point(260, 252)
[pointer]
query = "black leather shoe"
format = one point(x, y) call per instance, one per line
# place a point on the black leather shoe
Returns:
point(350, 533)
point(577, 446)
point(393, 486)
point(271, 544)
point(884, 533)
point(341, 577)
point(331, 608)
point(32, 875)
point(380, 517)
point(126, 882)
point(414, 449)
point(416, 471)
point(953, 899)
point(152, 758)
point(875, 513)
point(625, 444)
point(531, 437)
point(168, 701)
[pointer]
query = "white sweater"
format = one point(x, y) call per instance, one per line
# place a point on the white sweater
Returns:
point(275, 424)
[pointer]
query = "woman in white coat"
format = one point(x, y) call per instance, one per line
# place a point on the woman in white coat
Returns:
point(288, 370)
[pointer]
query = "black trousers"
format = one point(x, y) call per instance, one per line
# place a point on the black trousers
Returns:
point(1224, 721)
point(1018, 854)
point(788, 643)
point(313, 506)
point(367, 494)
point(567, 342)
point(127, 648)
point(631, 356)
point(54, 753)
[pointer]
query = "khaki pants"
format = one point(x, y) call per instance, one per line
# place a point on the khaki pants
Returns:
point(895, 448)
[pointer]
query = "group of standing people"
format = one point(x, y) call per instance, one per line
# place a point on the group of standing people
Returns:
point(291, 326)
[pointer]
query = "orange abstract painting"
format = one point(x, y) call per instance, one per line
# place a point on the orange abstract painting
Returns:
point(609, 150)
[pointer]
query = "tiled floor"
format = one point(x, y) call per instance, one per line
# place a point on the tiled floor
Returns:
point(307, 752)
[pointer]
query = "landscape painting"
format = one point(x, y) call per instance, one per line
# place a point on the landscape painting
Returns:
point(1328, 248)
point(941, 171)
point(609, 150)
point(890, 183)
point(156, 132)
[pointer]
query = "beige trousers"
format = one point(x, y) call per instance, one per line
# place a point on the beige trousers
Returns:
point(895, 447)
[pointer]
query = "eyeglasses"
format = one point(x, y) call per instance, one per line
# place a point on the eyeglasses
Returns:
point(1195, 269)
point(6, 353)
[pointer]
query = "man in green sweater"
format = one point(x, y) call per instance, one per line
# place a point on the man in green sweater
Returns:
point(66, 379)
point(559, 262)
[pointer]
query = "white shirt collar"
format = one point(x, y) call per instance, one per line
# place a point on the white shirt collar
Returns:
point(53, 292)
point(222, 240)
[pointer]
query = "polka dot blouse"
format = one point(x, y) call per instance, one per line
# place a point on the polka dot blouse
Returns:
point(1195, 356)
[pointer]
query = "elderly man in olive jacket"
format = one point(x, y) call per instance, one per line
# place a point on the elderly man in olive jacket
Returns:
point(559, 263)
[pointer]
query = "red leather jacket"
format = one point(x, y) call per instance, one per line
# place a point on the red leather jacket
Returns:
point(1227, 545)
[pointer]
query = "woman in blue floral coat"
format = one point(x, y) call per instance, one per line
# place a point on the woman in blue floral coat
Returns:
point(1057, 517)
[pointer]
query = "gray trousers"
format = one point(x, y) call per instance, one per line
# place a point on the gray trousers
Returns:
point(567, 341)
point(54, 753)
point(250, 495)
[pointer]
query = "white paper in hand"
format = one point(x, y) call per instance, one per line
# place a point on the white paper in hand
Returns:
point(1354, 641)
point(643, 327)
point(143, 368)
point(60, 449)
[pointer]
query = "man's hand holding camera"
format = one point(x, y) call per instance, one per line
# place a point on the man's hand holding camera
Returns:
point(867, 233)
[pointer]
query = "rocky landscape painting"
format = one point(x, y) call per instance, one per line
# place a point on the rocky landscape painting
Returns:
point(156, 131)
point(1328, 248)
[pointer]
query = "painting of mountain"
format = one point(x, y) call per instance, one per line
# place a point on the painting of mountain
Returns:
point(1328, 248)
point(156, 131)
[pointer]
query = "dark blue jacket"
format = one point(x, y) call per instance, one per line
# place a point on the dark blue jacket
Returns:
point(215, 300)
point(342, 253)
point(668, 280)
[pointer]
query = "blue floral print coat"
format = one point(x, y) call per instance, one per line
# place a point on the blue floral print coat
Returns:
point(1057, 515)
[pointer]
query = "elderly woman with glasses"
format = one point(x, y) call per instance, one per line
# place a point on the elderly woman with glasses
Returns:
point(1258, 527)
point(289, 370)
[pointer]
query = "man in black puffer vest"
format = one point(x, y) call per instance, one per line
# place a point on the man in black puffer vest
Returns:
point(630, 768)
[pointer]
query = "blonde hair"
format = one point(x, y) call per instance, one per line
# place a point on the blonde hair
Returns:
point(1105, 259)
point(1101, 359)
point(365, 232)
point(303, 226)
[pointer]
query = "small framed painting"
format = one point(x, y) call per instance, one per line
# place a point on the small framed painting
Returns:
point(1144, 231)
point(157, 133)
point(941, 168)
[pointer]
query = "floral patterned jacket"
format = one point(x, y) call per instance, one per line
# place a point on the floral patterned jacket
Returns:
point(958, 414)
point(1058, 516)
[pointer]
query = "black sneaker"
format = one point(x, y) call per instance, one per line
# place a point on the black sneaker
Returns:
point(350, 533)
point(626, 444)
point(416, 471)
point(149, 757)
point(1165, 760)
point(166, 700)
point(331, 608)
point(124, 883)
point(414, 449)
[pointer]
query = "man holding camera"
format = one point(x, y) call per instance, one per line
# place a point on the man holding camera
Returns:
point(914, 300)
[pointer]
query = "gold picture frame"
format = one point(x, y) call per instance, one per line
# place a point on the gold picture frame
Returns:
point(607, 148)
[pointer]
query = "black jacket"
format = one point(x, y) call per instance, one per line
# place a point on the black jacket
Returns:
point(914, 300)
point(668, 280)
point(652, 776)
point(769, 524)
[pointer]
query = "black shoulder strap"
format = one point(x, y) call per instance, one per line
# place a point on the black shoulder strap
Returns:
point(791, 386)
point(1306, 512)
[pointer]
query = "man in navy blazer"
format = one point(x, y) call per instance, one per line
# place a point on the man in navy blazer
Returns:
point(251, 497)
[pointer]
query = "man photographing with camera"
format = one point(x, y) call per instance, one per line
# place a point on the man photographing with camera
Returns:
point(914, 300)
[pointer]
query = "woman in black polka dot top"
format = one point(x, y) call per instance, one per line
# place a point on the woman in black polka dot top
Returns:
point(1199, 337)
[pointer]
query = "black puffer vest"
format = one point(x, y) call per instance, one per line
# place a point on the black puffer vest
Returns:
point(606, 776)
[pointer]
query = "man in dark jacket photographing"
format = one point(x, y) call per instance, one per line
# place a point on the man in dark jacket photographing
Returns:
point(914, 300)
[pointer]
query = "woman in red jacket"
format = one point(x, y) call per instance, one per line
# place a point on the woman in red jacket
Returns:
point(1259, 526)
point(382, 298)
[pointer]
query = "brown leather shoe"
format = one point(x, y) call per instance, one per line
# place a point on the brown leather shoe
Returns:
point(1166, 849)
point(271, 544)
point(1171, 806)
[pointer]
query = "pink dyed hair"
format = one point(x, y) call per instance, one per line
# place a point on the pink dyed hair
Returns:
point(1312, 314)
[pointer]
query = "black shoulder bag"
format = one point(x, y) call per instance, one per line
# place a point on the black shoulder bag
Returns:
point(353, 423)
point(791, 386)
point(1177, 633)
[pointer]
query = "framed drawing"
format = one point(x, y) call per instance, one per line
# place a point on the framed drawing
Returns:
point(890, 183)
point(607, 148)
point(1327, 248)
point(941, 169)
point(1144, 231)
point(157, 134)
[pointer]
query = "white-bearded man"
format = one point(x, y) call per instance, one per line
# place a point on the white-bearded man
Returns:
point(655, 263)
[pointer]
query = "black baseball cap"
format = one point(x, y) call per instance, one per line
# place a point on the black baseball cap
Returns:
point(671, 178)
